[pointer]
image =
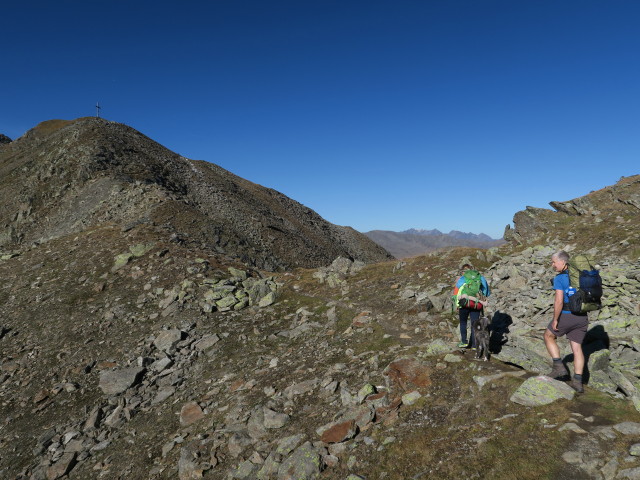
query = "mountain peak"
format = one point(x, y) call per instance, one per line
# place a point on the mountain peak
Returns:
point(64, 176)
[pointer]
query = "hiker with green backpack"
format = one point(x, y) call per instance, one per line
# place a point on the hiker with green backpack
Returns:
point(469, 298)
point(578, 290)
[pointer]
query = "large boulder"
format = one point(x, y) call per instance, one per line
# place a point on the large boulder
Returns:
point(541, 390)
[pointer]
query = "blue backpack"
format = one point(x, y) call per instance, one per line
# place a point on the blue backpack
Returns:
point(586, 280)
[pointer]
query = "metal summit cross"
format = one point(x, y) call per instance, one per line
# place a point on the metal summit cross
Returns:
point(98, 107)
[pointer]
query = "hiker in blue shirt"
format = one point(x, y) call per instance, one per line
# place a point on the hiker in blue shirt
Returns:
point(468, 307)
point(565, 323)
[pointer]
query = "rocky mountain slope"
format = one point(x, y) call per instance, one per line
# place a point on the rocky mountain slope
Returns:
point(607, 217)
point(66, 176)
point(417, 242)
point(132, 351)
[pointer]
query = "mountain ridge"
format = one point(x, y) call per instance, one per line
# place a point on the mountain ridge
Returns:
point(452, 233)
point(63, 176)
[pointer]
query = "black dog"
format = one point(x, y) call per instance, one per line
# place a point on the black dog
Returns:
point(482, 334)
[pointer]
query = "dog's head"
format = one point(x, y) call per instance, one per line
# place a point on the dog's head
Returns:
point(483, 323)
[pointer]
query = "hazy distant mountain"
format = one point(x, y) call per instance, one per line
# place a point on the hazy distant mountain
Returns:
point(420, 231)
point(453, 233)
point(417, 241)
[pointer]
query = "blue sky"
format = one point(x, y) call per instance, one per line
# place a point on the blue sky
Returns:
point(377, 114)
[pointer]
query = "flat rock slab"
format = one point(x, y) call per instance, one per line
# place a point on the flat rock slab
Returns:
point(115, 382)
point(523, 358)
point(483, 380)
point(362, 415)
point(404, 373)
point(541, 390)
point(167, 339)
point(338, 431)
point(411, 398)
point(451, 358)
point(438, 347)
point(572, 427)
point(274, 419)
point(300, 388)
point(629, 473)
point(288, 444)
point(190, 413)
point(628, 428)
point(207, 342)
point(61, 467)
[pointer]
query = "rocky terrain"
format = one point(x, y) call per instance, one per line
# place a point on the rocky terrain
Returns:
point(136, 350)
point(418, 242)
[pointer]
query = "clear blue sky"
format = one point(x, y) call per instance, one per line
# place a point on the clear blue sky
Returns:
point(386, 115)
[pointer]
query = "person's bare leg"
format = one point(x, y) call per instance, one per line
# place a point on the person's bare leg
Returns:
point(558, 370)
point(578, 357)
point(551, 344)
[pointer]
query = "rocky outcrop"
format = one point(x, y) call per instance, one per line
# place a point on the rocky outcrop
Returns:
point(336, 274)
point(4, 139)
point(582, 219)
point(625, 193)
point(67, 176)
point(530, 223)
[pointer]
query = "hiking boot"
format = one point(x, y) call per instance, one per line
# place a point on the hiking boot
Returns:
point(463, 345)
point(577, 385)
point(558, 371)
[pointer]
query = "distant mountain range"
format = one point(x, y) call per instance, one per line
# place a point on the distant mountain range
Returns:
point(453, 233)
point(418, 241)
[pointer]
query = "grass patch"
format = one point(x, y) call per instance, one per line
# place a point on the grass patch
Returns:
point(375, 341)
point(606, 409)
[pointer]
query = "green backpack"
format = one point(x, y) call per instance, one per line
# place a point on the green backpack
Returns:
point(472, 283)
point(469, 292)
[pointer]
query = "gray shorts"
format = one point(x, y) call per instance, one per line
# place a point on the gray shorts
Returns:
point(573, 326)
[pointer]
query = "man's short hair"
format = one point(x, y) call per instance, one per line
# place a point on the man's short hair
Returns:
point(561, 255)
point(467, 266)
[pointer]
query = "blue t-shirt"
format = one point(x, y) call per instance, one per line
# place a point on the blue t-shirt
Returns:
point(561, 282)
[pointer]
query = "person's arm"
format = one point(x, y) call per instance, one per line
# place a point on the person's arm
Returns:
point(485, 287)
point(558, 303)
point(454, 303)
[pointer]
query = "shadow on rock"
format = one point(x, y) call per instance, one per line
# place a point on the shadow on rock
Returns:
point(500, 323)
point(596, 340)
